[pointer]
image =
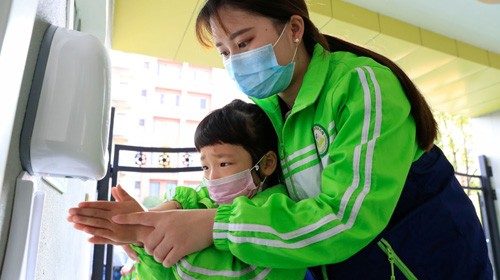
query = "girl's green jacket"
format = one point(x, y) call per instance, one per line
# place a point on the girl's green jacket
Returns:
point(346, 148)
point(212, 263)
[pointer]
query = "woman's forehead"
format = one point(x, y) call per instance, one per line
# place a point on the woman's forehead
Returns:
point(228, 21)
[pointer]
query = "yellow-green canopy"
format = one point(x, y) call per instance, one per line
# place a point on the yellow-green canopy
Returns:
point(454, 76)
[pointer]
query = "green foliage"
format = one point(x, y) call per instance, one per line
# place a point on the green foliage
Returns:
point(455, 139)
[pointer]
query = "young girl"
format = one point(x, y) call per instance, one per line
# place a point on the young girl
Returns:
point(237, 144)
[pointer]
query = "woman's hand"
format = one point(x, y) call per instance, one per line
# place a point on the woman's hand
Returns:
point(176, 233)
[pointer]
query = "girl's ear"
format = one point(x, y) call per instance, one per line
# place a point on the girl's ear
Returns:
point(268, 164)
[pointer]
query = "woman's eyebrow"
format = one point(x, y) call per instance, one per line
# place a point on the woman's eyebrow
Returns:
point(235, 34)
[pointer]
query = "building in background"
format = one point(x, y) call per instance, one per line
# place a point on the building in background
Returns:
point(159, 103)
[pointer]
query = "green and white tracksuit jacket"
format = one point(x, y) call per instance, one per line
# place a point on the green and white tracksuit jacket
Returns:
point(345, 151)
point(211, 263)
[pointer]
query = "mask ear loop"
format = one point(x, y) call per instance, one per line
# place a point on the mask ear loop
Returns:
point(257, 168)
point(296, 48)
point(282, 32)
point(296, 40)
point(262, 183)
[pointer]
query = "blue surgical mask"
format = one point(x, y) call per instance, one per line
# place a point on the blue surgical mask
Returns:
point(258, 73)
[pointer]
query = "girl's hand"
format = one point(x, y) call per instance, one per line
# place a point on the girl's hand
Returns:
point(126, 247)
point(130, 252)
point(95, 218)
point(176, 233)
point(111, 233)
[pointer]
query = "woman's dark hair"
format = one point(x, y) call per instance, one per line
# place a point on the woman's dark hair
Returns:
point(243, 124)
point(281, 11)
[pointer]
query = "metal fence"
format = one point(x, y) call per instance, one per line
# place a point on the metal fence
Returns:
point(486, 197)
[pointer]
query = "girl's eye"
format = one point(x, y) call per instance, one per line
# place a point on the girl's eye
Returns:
point(204, 167)
point(223, 164)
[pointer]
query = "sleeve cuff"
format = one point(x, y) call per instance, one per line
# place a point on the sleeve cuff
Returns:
point(140, 251)
point(186, 197)
point(221, 242)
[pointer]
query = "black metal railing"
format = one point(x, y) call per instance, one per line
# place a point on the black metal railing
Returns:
point(487, 213)
point(141, 156)
point(490, 196)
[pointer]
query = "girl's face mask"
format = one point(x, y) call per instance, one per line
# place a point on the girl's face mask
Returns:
point(225, 190)
point(258, 73)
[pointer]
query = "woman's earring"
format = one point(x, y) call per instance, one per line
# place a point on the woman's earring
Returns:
point(296, 40)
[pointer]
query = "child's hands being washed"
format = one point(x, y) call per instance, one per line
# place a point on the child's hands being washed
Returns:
point(94, 217)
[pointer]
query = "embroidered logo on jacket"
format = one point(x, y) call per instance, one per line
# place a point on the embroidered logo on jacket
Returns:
point(321, 139)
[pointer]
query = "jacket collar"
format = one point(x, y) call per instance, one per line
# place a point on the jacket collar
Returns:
point(312, 83)
point(314, 79)
point(309, 91)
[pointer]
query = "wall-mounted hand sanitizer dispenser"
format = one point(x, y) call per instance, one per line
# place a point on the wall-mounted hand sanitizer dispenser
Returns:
point(65, 130)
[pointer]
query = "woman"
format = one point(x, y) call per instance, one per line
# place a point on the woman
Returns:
point(370, 196)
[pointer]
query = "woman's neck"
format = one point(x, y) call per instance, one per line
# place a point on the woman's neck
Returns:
point(290, 94)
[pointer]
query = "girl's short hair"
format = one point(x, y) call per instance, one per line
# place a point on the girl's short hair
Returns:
point(243, 124)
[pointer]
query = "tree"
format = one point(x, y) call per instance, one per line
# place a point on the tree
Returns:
point(455, 140)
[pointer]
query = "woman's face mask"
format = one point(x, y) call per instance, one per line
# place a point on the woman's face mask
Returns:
point(257, 71)
point(226, 189)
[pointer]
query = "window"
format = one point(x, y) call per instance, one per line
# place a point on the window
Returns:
point(144, 92)
point(171, 184)
point(154, 188)
point(168, 97)
point(146, 64)
point(137, 189)
point(170, 189)
point(141, 122)
point(200, 75)
point(198, 101)
point(162, 189)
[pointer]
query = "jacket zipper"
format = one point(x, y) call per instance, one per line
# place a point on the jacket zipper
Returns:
point(395, 260)
point(282, 144)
